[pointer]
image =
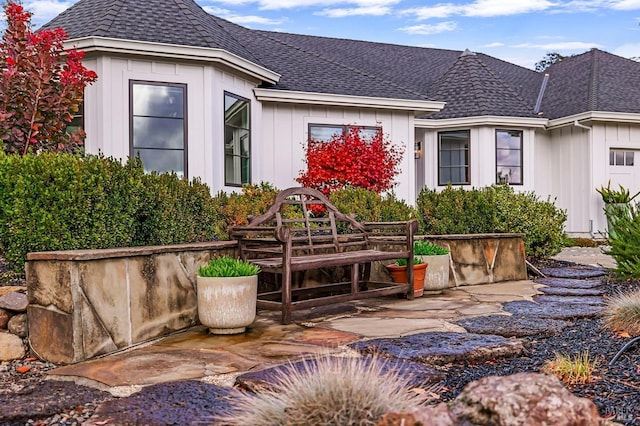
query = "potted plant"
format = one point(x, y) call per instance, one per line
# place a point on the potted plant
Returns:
point(398, 271)
point(616, 203)
point(437, 277)
point(227, 294)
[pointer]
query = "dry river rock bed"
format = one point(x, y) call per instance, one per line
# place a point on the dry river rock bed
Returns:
point(27, 398)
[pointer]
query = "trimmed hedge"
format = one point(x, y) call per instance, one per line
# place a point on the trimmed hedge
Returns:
point(493, 209)
point(55, 201)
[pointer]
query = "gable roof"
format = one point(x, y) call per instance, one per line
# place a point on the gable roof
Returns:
point(593, 81)
point(470, 84)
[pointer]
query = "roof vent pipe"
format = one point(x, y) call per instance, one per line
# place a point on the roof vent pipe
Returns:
point(543, 87)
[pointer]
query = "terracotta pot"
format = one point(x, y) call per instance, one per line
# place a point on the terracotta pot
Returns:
point(399, 276)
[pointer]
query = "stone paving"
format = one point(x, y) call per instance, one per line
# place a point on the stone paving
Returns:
point(469, 321)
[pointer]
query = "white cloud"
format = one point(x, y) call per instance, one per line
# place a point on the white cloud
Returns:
point(625, 4)
point(369, 10)
point(480, 8)
point(494, 44)
point(290, 4)
point(427, 29)
point(45, 10)
point(565, 46)
point(628, 50)
point(241, 19)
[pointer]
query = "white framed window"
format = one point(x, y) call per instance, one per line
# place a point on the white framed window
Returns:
point(237, 140)
point(621, 157)
point(325, 132)
point(453, 158)
point(158, 125)
point(509, 157)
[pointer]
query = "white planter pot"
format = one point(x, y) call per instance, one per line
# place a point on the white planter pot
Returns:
point(227, 305)
point(437, 276)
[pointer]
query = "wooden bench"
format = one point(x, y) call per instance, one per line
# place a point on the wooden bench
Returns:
point(293, 236)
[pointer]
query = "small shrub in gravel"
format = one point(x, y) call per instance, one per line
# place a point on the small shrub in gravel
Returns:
point(578, 369)
point(622, 313)
point(337, 391)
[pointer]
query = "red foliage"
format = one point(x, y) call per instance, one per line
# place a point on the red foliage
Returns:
point(350, 160)
point(41, 86)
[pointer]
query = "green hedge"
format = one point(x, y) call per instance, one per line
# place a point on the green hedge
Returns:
point(369, 206)
point(493, 209)
point(61, 202)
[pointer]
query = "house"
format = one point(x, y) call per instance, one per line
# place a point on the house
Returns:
point(194, 93)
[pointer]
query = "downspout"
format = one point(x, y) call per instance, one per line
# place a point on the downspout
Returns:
point(576, 123)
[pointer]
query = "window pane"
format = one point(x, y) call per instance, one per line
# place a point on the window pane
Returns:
point(368, 133)
point(324, 133)
point(454, 158)
point(628, 158)
point(237, 140)
point(619, 158)
point(159, 133)
point(509, 157)
point(161, 161)
point(612, 157)
point(158, 101)
point(508, 139)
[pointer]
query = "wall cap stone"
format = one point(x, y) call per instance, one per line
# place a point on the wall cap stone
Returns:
point(467, 236)
point(128, 251)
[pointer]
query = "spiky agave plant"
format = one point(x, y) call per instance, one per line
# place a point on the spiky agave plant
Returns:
point(327, 391)
point(622, 313)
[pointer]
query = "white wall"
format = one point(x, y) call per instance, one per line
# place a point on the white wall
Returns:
point(107, 110)
point(285, 129)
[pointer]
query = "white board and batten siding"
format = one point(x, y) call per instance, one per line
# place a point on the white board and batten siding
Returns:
point(285, 130)
point(107, 110)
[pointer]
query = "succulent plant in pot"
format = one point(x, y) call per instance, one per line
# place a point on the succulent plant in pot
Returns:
point(227, 294)
point(437, 277)
point(398, 272)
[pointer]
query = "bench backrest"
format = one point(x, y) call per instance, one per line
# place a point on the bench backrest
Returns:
point(316, 225)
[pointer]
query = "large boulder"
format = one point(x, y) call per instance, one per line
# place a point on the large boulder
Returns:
point(11, 347)
point(14, 301)
point(524, 399)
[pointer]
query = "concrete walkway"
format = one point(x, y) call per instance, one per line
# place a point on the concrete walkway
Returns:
point(196, 354)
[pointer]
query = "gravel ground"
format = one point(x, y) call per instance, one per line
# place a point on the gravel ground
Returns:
point(615, 389)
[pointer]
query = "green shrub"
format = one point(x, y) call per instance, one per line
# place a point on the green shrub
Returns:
point(327, 391)
point(369, 206)
point(493, 209)
point(624, 241)
point(427, 248)
point(227, 266)
point(394, 210)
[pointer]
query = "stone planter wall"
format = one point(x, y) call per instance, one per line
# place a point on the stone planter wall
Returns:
point(483, 258)
point(85, 303)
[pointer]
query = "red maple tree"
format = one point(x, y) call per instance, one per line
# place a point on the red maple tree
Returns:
point(41, 86)
point(351, 160)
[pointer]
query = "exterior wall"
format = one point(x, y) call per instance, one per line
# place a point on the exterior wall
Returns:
point(482, 160)
point(107, 110)
point(285, 129)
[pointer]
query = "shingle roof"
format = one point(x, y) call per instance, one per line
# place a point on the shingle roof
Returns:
point(592, 81)
point(475, 84)
point(471, 88)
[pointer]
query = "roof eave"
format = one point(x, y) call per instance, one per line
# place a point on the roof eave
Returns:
point(482, 120)
point(418, 107)
point(173, 51)
point(619, 117)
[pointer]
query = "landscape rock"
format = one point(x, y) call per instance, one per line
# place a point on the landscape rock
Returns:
point(576, 273)
point(11, 347)
point(18, 325)
point(570, 282)
point(442, 347)
point(14, 301)
point(564, 291)
point(525, 399)
point(559, 310)
point(512, 326)
point(4, 319)
point(588, 300)
point(434, 415)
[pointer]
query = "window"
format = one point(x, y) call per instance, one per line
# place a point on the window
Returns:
point(324, 132)
point(77, 123)
point(158, 126)
point(619, 157)
point(237, 141)
point(453, 158)
point(509, 157)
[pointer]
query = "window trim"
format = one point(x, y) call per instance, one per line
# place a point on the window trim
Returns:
point(224, 155)
point(345, 128)
point(468, 165)
point(185, 118)
point(624, 151)
point(521, 156)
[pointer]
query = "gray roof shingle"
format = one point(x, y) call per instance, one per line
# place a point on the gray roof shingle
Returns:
point(471, 84)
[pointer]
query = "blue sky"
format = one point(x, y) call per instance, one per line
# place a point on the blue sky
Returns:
point(519, 31)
